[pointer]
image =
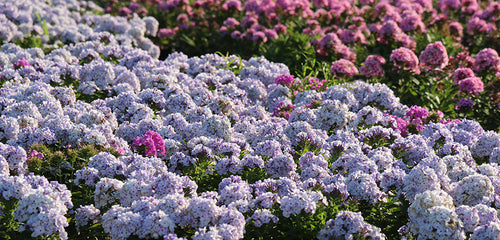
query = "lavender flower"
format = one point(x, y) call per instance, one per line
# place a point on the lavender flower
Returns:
point(120, 222)
point(419, 180)
point(333, 115)
point(472, 190)
point(348, 224)
point(362, 186)
point(487, 231)
point(485, 144)
point(301, 201)
point(86, 214)
point(281, 166)
point(106, 191)
point(261, 217)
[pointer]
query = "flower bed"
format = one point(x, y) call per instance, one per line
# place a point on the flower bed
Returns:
point(433, 39)
point(100, 139)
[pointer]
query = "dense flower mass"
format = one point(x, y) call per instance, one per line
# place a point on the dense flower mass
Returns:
point(343, 68)
point(434, 56)
point(405, 59)
point(372, 66)
point(102, 135)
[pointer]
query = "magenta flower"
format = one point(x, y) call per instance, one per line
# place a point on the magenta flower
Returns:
point(476, 25)
point(259, 37)
point(285, 80)
point(232, 5)
point(283, 110)
point(471, 85)
point(151, 141)
point(487, 59)
point(405, 58)
point(373, 66)
point(36, 154)
point(456, 30)
point(166, 33)
point(315, 83)
point(462, 73)
point(124, 11)
point(434, 56)
point(401, 125)
point(21, 63)
point(417, 112)
point(231, 22)
point(280, 28)
point(343, 68)
point(390, 30)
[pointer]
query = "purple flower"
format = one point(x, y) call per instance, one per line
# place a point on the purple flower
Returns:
point(462, 73)
point(285, 80)
point(434, 56)
point(281, 166)
point(464, 104)
point(487, 231)
point(152, 141)
point(299, 201)
point(343, 68)
point(471, 85)
point(372, 66)
point(404, 58)
point(262, 216)
point(86, 213)
point(487, 60)
point(21, 63)
point(347, 225)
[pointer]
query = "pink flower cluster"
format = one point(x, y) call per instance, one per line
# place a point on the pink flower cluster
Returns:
point(405, 59)
point(471, 85)
point(462, 73)
point(372, 67)
point(343, 68)
point(434, 56)
point(36, 154)
point(487, 60)
point(21, 63)
point(152, 141)
point(285, 80)
point(283, 110)
point(415, 119)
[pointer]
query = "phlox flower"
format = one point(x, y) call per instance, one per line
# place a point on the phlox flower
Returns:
point(405, 59)
point(372, 66)
point(471, 85)
point(152, 141)
point(343, 68)
point(434, 56)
